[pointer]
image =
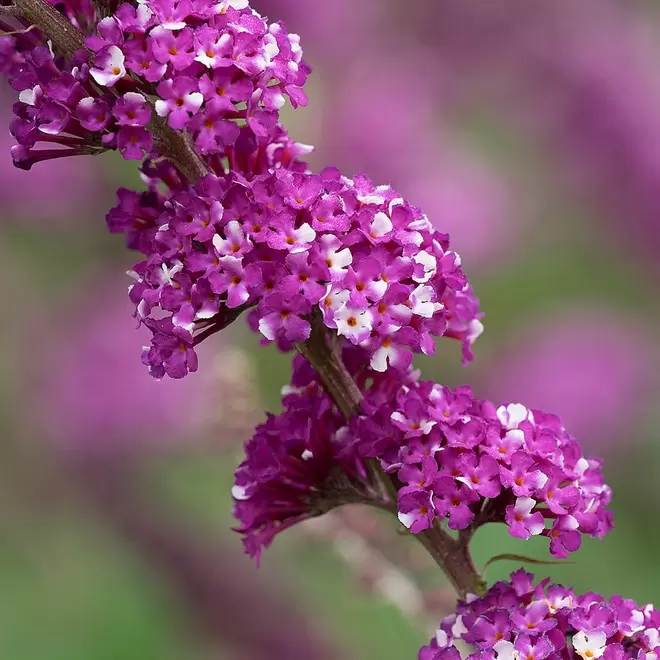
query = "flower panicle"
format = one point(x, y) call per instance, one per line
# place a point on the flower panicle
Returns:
point(271, 237)
point(295, 468)
point(469, 462)
point(259, 231)
point(520, 620)
point(204, 68)
point(454, 460)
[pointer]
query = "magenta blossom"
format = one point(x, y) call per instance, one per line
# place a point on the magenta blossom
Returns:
point(481, 463)
point(295, 468)
point(518, 619)
point(388, 282)
point(178, 45)
point(442, 449)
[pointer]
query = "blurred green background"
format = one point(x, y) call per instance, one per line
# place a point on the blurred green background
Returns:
point(533, 136)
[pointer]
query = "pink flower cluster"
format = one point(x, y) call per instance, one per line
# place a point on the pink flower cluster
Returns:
point(470, 462)
point(519, 620)
point(207, 67)
point(259, 231)
point(299, 464)
point(189, 286)
point(296, 466)
point(288, 243)
point(458, 459)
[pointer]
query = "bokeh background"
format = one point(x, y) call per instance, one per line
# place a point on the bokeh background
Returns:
point(531, 132)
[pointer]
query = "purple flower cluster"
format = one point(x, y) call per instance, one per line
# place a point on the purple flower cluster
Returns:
point(259, 231)
point(207, 67)
point(469, 462)
point(271, 236)
point(296, 466)
point(187, 288)
point(452, 457)
point(518, 620)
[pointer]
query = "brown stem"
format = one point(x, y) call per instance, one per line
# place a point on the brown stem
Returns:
point(178, 148)
point(66, 39)
point(452, 555)
point(323, 354)
point(64, 36)
point(330, 367)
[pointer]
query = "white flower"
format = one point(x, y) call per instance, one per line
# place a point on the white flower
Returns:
point(209, 58)
point(458, 628)
point(113, 70)
point(406, 519)
point(30, 96)
point(333, 298)
point(429, 266)
point(652, 637)
point(523, 512)
point(442, 638)
point(354, 324)
point(505, 651)
point(424, 425)
point(377, 200)
point(591, 645)
point(387, 353)
point(304, 234)
point(423, 301)
point(224, 5)
point(397, 201)
point(168, 273)
point(239, 493)
point(337, 260)
point(512, 415)
point(380, 225)
point(474, 331)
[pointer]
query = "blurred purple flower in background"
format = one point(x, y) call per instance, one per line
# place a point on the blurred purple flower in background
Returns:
point(342, 27)
point(461, 191)
point(600, 111)
point(596, 370)
point(99, 398)
point(385, 121)
point(580, 78)
point(44, 196)
point(102, 411)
